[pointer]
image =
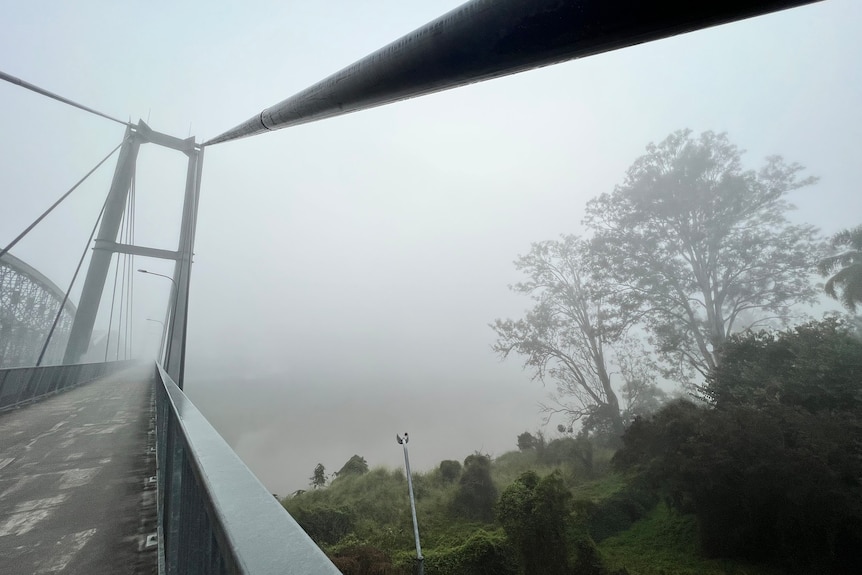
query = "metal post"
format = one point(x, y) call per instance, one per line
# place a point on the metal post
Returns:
point(175, 354)
point(420, 560)
point(97, 273)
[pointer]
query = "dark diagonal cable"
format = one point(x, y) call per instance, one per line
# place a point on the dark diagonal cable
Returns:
point(33, 88)
point(124, 238)
point(113, 297)
point(74, 277)
point(129, 318)
point(57, 203)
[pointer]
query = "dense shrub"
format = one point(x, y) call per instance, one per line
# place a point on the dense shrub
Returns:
point(570, 450)
point(365, 560)
point(356, 465)
point(376, 503)
point(537, 516)
point(476, 493)
point(771, 483)
point(450, 470)
point(815, 366)
point(324, 524)
point(483, 553)
point(617, 512)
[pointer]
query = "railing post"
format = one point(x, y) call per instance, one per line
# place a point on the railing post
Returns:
point(173, 497)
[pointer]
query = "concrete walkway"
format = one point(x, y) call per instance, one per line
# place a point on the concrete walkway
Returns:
point(74, 495)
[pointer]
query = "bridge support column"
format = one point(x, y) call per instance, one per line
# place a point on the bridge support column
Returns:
point(94, 285)
point(176, 345)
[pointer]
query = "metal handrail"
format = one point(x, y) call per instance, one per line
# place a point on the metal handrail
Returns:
point(215, 516)
point(23, 385)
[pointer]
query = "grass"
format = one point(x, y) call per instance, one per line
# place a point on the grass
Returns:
point(665, 543)
point(601, 488)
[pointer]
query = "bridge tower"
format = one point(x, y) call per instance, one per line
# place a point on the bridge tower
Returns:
point(106, 246)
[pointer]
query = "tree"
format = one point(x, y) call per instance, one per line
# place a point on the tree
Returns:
point(845, 268)
point(536, 515)
point(566, 336)
point(771, 482)
point(356, 465)
point(527, 441)
point(476, 493)
point(690, 245)
point(815, 366)
point(318, 479)
point(450, 470)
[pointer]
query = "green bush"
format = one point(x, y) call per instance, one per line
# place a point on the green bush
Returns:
point(450, 470)
point(769, 483)
point(537, 517)
point(483, 553)
point(617, 512)
point(365, 560)
point(476, 493)
point(324, 524)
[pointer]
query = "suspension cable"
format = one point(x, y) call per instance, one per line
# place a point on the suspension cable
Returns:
point(32, 87)
point(113, 295)
point(71, 283)
point(129, 317)
point(124, 237)
point(57, 203)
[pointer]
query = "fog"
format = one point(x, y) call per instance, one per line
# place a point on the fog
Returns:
point(346, 271)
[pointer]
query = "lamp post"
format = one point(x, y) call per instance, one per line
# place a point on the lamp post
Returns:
point(174, 292)
point(420, 561)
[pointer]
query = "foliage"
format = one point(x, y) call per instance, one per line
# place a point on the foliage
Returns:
point(376, 503)
point(527, 441)
point(476, 493)
point(379, 540)
point(326, 525)
point(566, 337)
point(365, 560)
point(690, 245)
point(483, 553)
point(815, 366)
point(665, 543)
point(617, 512)
point(450, 470)
point(771, 483)
point(845, 268)
point(318, 478)
point(536, 515)
point(356, 465)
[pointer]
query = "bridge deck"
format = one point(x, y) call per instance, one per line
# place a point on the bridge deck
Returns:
point(74, 496)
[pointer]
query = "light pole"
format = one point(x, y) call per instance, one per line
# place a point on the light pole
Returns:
point(420, 561)
point(162, 340)
point(174, 291)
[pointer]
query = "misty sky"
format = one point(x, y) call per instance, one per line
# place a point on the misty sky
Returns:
point(346, 270)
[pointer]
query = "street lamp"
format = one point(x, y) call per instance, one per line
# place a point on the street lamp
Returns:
point(160, 275)
point(175, 291)
point(420, 561)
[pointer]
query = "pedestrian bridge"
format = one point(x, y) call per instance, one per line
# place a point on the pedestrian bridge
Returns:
point(104, 465)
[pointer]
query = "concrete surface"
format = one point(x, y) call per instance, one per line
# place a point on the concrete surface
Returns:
point(74, 490)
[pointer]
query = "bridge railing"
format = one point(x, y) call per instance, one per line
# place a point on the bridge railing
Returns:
point(214, 515)
point(21, 385)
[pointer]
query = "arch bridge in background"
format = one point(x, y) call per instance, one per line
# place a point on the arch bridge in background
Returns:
point(28, 304)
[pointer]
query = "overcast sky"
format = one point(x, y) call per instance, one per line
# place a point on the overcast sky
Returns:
point(346, 270)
